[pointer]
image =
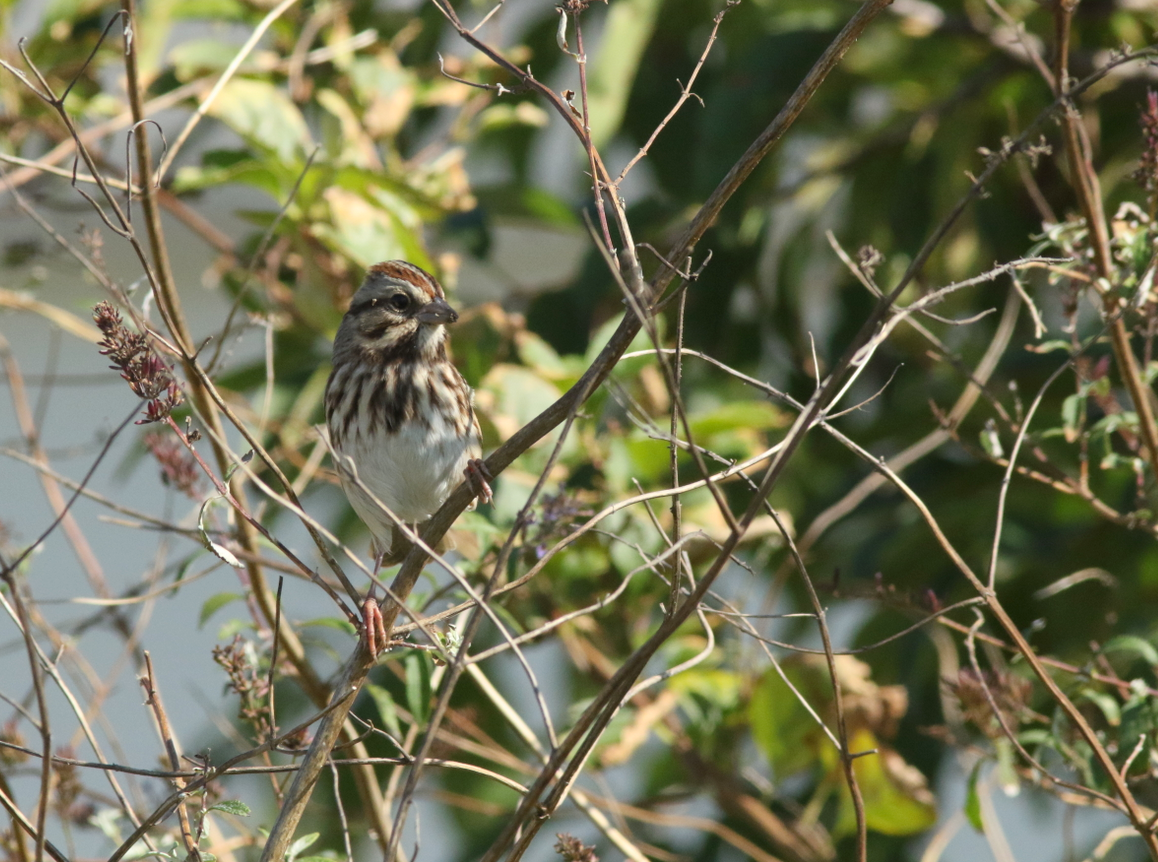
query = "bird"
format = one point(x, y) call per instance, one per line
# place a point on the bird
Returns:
point(399, 415)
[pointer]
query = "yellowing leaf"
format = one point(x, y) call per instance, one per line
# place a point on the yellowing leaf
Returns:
point(366, 232)
point(896, 796)
point(512, 396)
point(264, 115)
point(737, 415)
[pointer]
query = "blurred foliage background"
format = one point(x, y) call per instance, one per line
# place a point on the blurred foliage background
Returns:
point(338, 142)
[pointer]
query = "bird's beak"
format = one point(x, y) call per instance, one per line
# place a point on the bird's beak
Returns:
point(438, 311)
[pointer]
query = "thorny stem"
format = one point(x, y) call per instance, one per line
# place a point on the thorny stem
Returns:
point(164, 290)
point(597, 183)
point(1008, 732)
point(633, 272)
point(1121, 787)
point(9, 578)
point(153, 699)
point(1084, 179)
point(676, 503)
point(1021, 645)
point(685, 94)
point(846, 756)
point(354, 672)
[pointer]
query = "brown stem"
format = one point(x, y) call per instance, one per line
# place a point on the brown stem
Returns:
point(1084, 179)
point(168, 301)
point(356, 667)
point(40, 834)
point(676, 503)
point(597, 182)
point(153, 699)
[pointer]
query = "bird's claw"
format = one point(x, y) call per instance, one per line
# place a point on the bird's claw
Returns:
point(372, 626)
point(479, 479)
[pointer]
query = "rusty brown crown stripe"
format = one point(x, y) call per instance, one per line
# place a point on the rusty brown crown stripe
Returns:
point(408, 272)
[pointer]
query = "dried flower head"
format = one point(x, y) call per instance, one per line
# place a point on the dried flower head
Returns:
point(248, 682)
point(68, 788)
point(868, 259)
point(178, 468)
point(1147, 173)
point(147, 374)
point(571, 849)
point(1009, 692)
point(10, 733)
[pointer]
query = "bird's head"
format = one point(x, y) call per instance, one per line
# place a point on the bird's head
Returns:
point(399, 309)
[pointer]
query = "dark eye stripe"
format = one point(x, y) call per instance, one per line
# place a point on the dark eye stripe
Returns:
point(361, 305)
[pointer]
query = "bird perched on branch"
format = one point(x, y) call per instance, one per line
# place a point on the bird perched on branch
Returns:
point(399, 414)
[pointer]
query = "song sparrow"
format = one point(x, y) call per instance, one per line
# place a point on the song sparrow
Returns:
point(398, 412)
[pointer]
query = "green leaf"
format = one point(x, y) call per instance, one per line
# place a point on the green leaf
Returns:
point(1071, 413)
point(368, 231)
point(214, 604)
point(213, 10)
point(1139, 718)
point(780, 725)
point(232, 806)
point(264, 115)
point(219, 167)
point(198, 56)
point(183, 566)
point(720, 687)
point(386, 711)
point(642, 341)
point(417, 666)
point(536, 353)
point(520, 202)
point(1134, 645)
point(504, 115)
point(612, 71)
point(1007, 767)
point(302, 844)
point(735, 415)
point(225, 555)
point(105, 820)
point(1107, 425)
point(896, 800)
point(1104, 702)
point(480, 525)
point(973, 800)
point(1051, 346)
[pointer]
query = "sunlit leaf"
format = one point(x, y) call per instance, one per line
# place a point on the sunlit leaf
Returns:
point(231, 806)
point(263, 114)
point(745, 415)
point(896, 797)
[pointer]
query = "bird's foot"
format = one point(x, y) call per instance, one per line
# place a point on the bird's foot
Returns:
point(479, 479)
point(372, 627)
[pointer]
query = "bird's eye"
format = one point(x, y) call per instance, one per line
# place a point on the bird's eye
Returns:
point(399, 302)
